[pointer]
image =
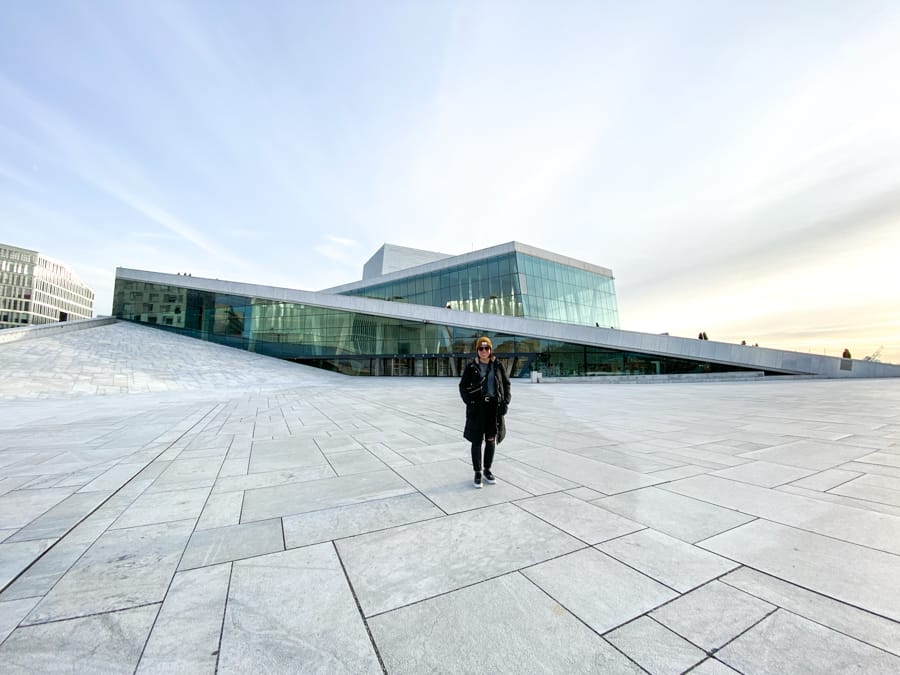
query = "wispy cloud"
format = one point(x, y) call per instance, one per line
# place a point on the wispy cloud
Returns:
point(337, 249)
point(728, 162)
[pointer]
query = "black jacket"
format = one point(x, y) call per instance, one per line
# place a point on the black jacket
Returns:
point(472, 388)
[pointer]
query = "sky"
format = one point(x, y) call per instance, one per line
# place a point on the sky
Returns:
point(736, 164)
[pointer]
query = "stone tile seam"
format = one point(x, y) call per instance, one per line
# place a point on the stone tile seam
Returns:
point(359, 608)
point(77, 617)
point(85, 517)
point(663, 583)
point(580, 620)
point(224, 614)
point(814, 592)
point(821, 471)
point(523, 489)
point(791, 525)
point(574, 536)
point(401, 411)
point(709, 652)
point(646, 615)
point(537, 468)
point(708, 658)
point(367, 532)
point(863, 499)
point(474, 583)
point(843, 500)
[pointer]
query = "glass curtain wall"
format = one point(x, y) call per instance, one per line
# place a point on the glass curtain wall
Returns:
point(362, 344)
point(488, 286)
point(556, 292)
point(514, 284)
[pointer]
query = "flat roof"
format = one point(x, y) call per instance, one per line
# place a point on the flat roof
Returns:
point(474, 256)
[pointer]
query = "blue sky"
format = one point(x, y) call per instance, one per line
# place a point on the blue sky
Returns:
point(737, 165)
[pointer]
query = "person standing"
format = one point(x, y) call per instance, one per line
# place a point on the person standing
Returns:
point(484, 388)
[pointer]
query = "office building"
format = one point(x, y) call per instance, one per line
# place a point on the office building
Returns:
point(36, 289)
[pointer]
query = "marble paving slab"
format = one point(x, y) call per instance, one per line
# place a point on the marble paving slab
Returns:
point(15, 557)
point(232, 542)
point(163, 507)
point(221, 509)
point(764, 474)
point(785, 642)
point(184, 474)
point(12, 612)
point(105, 643)
point(449, 485)
point(642, 463)
point(533, 481)
point(702, 456)
point(713, 666)
point(876, 469)
point(446, 554)
point(227, 483)
point(598, 589)
point(297, 455)
point(294, 612)
point(872, 480)
point(386, 455)
point(853, 574)
point(690, 520)
point(234, 466)
point(114, 477)
point(185, 637)
point(811, 454)
point(355, 461)
point(581, 519)
point(712, 615)
point(40, 577)
point(670, 561)
point(599, 476)
point(869, 490)
point(284, 500)
point(825, 480)
point(833, 498)
point(655, 648)
point(19, 507)
point(123, 568)
point(424, 454)
point(501, 625)
point(868, 528)
point(347, 521)
point(584, 494)
point(864, 626)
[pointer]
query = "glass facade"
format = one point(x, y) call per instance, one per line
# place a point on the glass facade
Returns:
point(512, 284)
point(364, 344)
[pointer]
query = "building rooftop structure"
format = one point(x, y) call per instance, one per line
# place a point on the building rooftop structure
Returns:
point(220, 511)
point(392, 258)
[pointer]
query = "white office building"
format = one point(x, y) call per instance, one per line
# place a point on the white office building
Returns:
point(36, 289)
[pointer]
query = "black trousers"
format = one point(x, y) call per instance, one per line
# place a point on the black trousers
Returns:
point(489, 434)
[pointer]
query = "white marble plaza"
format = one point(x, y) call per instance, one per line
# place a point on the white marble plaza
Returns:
point(172, 506)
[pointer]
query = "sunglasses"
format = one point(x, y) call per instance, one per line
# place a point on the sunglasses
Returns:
point(484, 349)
